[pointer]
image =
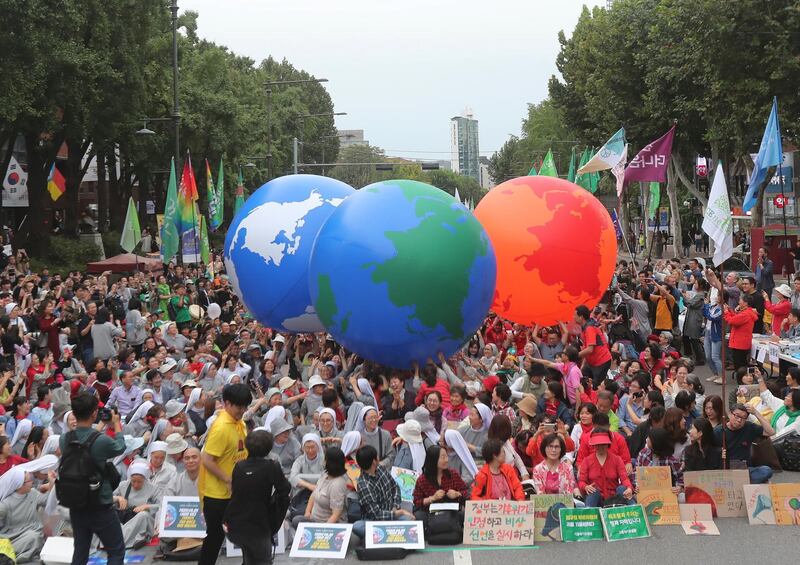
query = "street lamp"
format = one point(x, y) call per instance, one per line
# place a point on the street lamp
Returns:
point(295, 141)
point(270, 84)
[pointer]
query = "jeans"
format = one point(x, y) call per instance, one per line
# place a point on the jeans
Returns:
point(594, 499)
point(760, 475)
point(105, 524)
point(360, 526)
point(213, 512)
point(713, 354)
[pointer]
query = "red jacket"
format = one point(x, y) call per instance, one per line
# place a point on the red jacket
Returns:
point(605, 478)
point(482, 488)
point(741, 324)
point(442, 386)
point(619, 447)
point(779, 313)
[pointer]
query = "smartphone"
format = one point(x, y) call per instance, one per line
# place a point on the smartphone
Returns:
point(550, 427)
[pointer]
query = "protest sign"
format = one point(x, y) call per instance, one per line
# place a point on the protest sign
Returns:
point(406, 480)
point(660, 505)
point(580, 524)
point(758, 501)
point(408, 535)
point(181, 517)
point(653, 478)
point(697, 520)
point(625, 522)
point(786, 503)
point(721, 489)
point(546, 517)
point(321, 540)
point(499, 522)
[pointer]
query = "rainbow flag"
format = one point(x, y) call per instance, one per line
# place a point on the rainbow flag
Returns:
point(187, 196)
point(56, 184)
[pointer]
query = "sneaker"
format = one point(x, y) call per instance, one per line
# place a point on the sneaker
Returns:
point(717, 381)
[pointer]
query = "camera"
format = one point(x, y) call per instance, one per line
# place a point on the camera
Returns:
point(638, 394)
point(105, 415)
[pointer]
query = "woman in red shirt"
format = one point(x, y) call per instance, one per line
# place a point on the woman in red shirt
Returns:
point(496, 480)
point(8, 459)
point(50, 325)
point(431, 382)
point(437, 483)
point(602, 474)
point(741, 322)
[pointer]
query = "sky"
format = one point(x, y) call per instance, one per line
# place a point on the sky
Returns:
point(402, 69)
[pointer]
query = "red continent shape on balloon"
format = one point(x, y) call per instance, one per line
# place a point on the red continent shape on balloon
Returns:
point(555, 244)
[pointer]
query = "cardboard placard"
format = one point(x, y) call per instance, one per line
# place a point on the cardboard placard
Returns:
point(580, 524)
point(660, 505)
point(758, 501)
point(408, 535)
point(654, 478)
point(547, 519)
point(181, 517)
point(321, 540)
point(406, 480)
point(786, 503)
point(697, 520)
point(745, 393)
point(723, 490)
point(499, 522)
point(774, 353)
point(625, 522)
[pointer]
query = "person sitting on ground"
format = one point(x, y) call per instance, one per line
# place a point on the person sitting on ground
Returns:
point(631, 405)
point(328, 502)
point(603, 476)
point(437, 483)
point(378, 492)
point(658, 452)
point(554, 475)
point(739, 437)
point(496, 480)
point(785, 412)
point(702, 454)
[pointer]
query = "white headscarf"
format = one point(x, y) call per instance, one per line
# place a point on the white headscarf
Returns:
point(156, 433)
point(11, 480)
point(350, 442)
point(315, 438)
point(41, 465)
point(156, 446)
point(353, 414)
point(456, 441)
point(360, 425)
point(131, 444)
point(65, 421)
point(21, 432)
point(486, 415)
point(51, 444)
point(194, 396)
point(365, 388)
point(274, 413)
point(139, 467)
point(141, 411)
point(417, 455)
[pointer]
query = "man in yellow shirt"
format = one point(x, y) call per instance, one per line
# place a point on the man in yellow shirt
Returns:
point(224, 447)
point(665, 302)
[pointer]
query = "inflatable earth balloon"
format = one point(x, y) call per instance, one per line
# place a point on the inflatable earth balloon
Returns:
point(401, 271)
point(268, 245)
point(556, 248)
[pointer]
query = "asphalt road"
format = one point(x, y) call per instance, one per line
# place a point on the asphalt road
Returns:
point(738, 543)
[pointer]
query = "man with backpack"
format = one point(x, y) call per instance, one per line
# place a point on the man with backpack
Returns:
point(86, 481)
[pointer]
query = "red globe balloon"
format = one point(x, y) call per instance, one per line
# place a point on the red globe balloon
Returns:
point(556, 248)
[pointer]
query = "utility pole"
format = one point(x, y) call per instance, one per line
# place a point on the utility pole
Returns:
point(294, 155)
point(176, 115)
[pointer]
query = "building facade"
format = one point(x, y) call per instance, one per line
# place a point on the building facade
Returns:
point(464, 146)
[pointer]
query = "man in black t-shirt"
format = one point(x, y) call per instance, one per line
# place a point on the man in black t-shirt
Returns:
point(739, 437)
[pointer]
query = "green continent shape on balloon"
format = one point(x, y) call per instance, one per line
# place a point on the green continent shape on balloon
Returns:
point(439, 298)
point(326, 302)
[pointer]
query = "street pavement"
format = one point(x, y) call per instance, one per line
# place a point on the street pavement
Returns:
point(738, 543)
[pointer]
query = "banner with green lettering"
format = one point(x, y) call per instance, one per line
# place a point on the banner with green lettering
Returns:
point(580, 524)
point(625, 522)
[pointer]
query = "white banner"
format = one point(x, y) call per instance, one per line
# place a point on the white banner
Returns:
point(15, 186)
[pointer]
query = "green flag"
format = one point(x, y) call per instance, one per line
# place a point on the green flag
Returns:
point(219, 216)
point(131, 232)
point(170, 241)
point(237, 203)
point(584, 179)
point(532, 172)
point(548, 168)
point(205, 248)
point(571, 173)
point(655, 200)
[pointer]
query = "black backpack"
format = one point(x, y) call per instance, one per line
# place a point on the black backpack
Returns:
point(79, 477)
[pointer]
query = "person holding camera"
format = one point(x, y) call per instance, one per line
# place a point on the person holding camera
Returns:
point(631, 405)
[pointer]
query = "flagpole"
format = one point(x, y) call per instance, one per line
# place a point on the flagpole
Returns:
point(657, 229)
point(628, 245)
point(783, 211)
point(194, 217)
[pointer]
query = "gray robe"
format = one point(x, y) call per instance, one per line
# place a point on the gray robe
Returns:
point(20, 523)
point(381, 440)
point(140, 527)
point(286, 454)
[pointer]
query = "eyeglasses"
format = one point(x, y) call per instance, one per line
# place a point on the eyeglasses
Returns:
point(554, 446)
point(738, 416)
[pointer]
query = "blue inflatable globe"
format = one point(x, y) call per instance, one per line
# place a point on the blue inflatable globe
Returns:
point(401, 271)
point(268, 245)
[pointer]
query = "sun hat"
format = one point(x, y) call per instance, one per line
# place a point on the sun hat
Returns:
point(784, 290)
point(599, 438)
point(174, 407)
point(278, 426)
point(527, 405)
point(176, 444)
point(410, 431)
point(315, 380)
point(286, 382)
point(168, 365)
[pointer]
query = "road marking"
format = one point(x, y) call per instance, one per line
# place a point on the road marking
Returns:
point(462, 557)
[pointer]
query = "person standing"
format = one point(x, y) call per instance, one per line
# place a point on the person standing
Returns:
point(595, 353)
point(180, 306)
point(741, 321)
point(98, 517)
point(224, 448)
point(765, 270)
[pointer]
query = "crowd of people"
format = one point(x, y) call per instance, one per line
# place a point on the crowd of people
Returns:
point(271, 430)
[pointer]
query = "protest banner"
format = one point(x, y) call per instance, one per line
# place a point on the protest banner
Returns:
point(697, 520)
point(580, 524)
point(499, 522)
point(625, 522)
point(758, 501)
point(181, 517)
point(660, 505)
point(546, 517)
point(408, 535)
point(786, 503)
point(721, 489)
point(653, 478)
point(406, 480)
point(321, 540)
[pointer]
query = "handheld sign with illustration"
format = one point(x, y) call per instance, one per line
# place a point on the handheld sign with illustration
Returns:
point(660, 505)
point(625, 522)
point(407, 535)
point(581, 524)
point(181, 517)
point(547, 518)
point(653, 478)
point(499, 522)
point(758, 500)
point(723, 490)
point(321, 540)
point(406, 480)
point(786, 503)
point(696, 520)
